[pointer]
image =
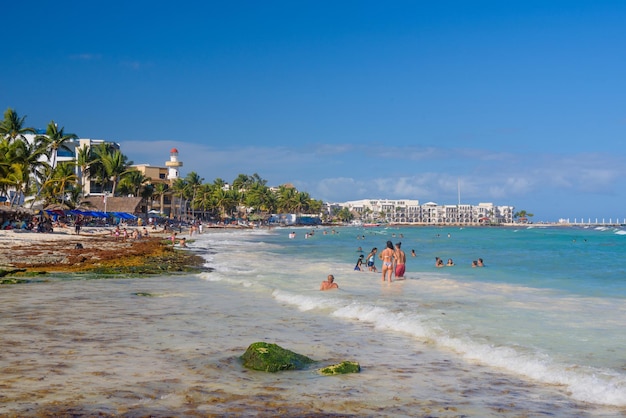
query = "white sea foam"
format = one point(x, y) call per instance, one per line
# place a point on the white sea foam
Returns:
point(304, 302)
point(585, 384)
point(545, 335)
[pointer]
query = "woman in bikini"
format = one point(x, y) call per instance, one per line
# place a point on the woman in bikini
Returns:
point(387, 256)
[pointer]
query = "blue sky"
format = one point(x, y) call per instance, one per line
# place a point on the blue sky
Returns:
point(523, 103)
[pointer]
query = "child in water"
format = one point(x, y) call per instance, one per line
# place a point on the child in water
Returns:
point(359, 263)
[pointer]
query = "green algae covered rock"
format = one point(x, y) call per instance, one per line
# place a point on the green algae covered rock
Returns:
point(342, 368)
point(273, 358)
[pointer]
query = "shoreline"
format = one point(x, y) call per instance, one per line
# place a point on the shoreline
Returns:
point(33, 255)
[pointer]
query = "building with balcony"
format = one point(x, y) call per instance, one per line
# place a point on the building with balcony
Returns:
point(409, 211)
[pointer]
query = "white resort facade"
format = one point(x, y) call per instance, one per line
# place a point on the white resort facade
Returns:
point(408, 211)
point(93, 187)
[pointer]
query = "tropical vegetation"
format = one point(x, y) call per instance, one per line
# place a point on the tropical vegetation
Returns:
point(522, 216)
point(30, 171)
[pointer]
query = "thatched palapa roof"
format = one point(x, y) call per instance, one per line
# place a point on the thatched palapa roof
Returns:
point(113, 204)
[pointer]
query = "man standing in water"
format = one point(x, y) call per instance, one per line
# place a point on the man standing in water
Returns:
point(400, 260)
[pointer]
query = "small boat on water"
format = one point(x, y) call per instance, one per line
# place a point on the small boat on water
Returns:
point(370, 225)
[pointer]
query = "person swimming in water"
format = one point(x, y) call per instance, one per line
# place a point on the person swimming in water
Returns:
point(329, 283)
point(387, 255)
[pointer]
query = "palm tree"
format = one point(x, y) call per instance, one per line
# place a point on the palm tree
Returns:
point(287, 199)
point(97, 169)
point(14, 177)
point(345, 215)
point(204, 198)
point(61, 182)
point(52, 141)
point(194, 181)
point(315, 206)
point(159, 191)
point(55, 139)
point(12, 127)
point(133, 181)
point(179, 186)
point(218, 182)
point(258, 180)
point(27, 156)
point(302, 202)
point(115, 165)
point(146, 193)
point(260, 197)
point(224, 201)
point(242, 182)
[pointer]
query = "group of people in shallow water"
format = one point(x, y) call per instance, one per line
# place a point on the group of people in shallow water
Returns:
point(393, 264)
point(394, 261)
point(475, 263)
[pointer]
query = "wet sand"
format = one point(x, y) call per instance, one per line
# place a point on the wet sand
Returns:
point(101, 348)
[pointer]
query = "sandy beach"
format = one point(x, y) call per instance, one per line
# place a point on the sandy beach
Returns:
point(92, 249)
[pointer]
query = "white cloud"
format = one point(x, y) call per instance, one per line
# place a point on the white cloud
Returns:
point(86, 57)
point(338, 173)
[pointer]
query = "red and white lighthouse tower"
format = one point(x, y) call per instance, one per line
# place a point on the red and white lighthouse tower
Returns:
point(173, 164)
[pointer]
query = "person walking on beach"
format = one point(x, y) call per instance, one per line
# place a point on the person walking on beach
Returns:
point(329, 283)
point(400, 261)
point(387, 256)
point(370, 259)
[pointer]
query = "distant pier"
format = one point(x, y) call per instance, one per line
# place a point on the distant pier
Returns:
point(594, 222)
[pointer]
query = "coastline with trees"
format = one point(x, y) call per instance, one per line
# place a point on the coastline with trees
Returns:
point(30, 175)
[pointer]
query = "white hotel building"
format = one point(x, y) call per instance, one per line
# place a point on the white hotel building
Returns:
point(407, 211)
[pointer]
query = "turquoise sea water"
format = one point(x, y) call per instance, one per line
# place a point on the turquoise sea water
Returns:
point(538, 331)
point(549, 305)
